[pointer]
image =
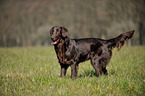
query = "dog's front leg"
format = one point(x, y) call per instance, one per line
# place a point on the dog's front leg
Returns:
point(74, 70)
point(64, 68)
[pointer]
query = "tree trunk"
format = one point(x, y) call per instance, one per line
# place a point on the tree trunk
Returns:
point(141, 35)
point(129, 42)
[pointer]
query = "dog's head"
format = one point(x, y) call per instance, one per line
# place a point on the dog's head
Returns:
point(57, 33)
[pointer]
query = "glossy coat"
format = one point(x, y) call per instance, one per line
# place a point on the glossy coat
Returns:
point(70, 52)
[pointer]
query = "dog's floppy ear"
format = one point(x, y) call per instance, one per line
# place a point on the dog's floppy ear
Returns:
point(64, 31)
point(51, 31)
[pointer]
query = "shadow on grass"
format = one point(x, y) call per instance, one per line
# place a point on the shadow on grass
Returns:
point(87, 73)
point(92, 73)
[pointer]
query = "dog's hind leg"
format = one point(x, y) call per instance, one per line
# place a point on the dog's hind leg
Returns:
point(105, 70)
point(95, 64)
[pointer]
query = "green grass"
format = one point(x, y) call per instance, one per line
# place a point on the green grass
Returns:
point(35, 71)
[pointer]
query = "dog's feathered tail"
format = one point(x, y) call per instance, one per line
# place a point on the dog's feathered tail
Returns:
point(120, 40)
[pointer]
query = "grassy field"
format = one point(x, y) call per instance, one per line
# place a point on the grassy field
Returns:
point(35, 71)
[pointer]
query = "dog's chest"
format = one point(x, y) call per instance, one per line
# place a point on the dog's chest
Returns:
point(71, 51)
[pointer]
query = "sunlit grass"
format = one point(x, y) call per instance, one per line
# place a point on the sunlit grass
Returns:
point(35, 71)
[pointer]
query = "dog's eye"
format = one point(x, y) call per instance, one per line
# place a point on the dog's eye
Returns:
point(57, 32)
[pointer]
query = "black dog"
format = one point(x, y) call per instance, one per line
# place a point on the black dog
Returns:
point(70, 52)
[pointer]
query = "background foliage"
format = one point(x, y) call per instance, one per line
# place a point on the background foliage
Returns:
point(27, 22)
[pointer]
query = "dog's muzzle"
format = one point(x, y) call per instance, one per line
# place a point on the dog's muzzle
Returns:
point(54, 42)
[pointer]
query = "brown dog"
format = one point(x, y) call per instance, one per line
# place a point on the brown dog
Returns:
point(70, 52)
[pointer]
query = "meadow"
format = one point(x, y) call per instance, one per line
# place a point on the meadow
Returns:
point(35, 71)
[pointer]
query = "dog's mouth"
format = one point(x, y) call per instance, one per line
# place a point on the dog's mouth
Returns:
point(54, 42)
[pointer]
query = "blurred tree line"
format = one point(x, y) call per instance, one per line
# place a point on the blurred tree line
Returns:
point(27, 22)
